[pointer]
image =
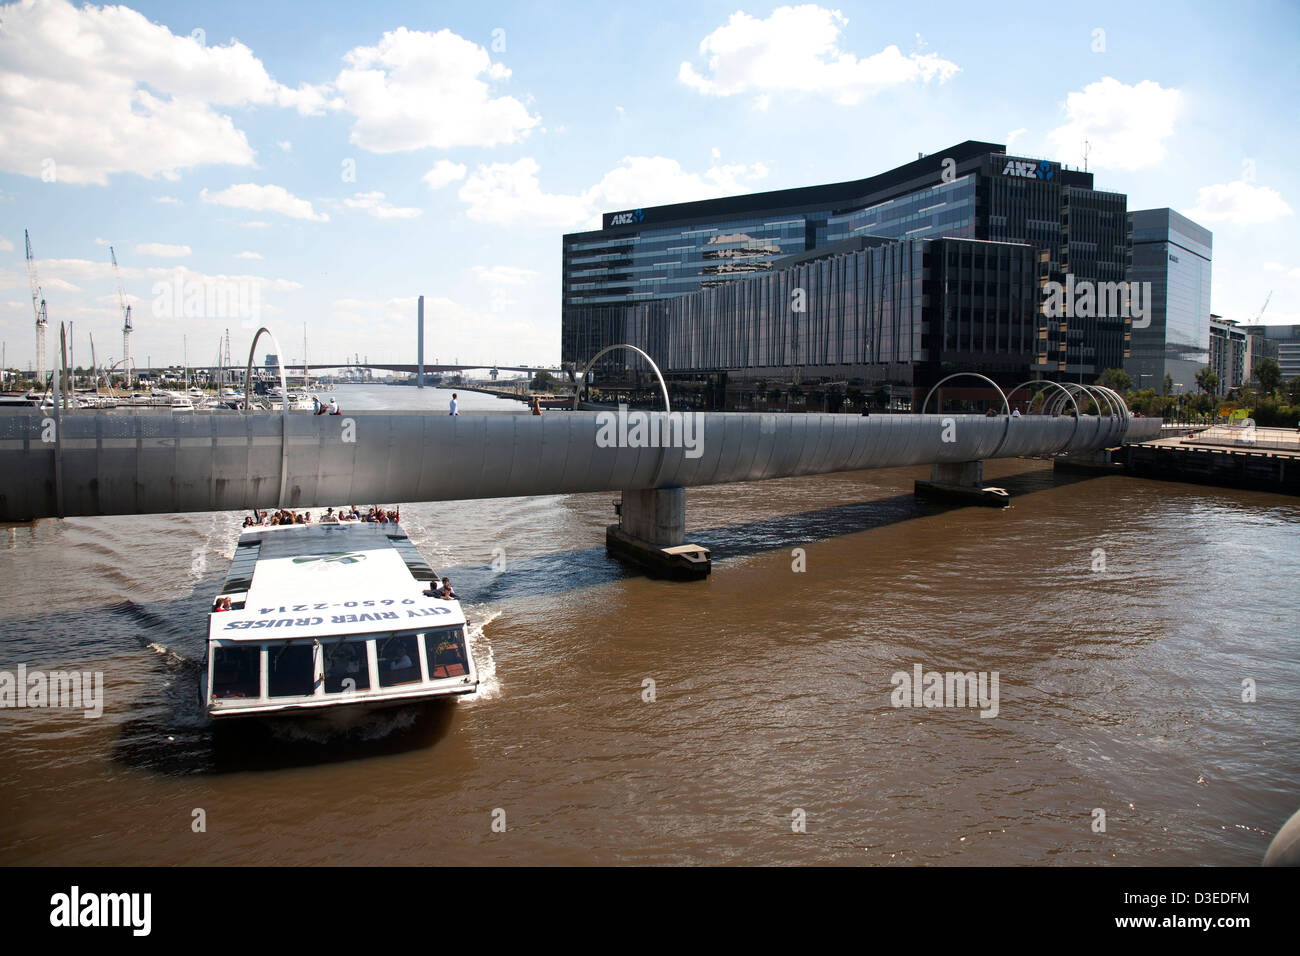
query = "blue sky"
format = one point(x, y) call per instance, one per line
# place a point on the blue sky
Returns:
point(338, 161)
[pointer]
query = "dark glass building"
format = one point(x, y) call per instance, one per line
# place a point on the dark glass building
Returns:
point(899, 311)
point(1174, 255)
point(618, 282)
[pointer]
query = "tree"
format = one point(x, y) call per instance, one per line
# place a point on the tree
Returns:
point(1207, 381)
point(542, 381)
point(1169, 385)
point(1293, 390)
point(1115, 378)
point(1269, 375)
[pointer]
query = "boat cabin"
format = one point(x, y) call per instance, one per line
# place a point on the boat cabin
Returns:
point(328, 615)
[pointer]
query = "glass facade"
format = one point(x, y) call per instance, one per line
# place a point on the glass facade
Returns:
point(619, 282)
point(886, 311)
point(1174, 255)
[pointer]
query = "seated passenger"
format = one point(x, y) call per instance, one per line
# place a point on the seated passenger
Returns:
point(445, 592)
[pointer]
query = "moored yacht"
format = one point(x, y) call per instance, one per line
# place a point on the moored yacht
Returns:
point(332, 616)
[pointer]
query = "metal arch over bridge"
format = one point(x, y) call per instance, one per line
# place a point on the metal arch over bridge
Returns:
point(105, 464)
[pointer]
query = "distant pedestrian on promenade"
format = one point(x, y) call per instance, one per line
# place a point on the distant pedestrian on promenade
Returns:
point(334, 407)
point(537, 405)
point(455, 405)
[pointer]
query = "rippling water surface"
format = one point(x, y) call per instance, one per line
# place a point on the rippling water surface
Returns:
point(1120, 689)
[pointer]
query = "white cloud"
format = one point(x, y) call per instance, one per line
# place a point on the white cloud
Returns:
point(102, 90)
point(415, 90)
point(167, 200)
point(1125, 126)
point(248, 255)
point(255, 224)
point(162, 250)
point(1240, 203)
point(375, 204)
point(503, 275)
point(285, 145)
point(1014, 135)
point(505, 193)
point(6, 245)
point(510, 193)
point(91, 269)
point(443, 173)
point(264, 199)
point(795, 50)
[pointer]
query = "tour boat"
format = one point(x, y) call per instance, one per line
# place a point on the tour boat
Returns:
point(331, 616)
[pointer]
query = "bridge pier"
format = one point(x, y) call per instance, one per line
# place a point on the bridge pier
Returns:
point(1098, 461)
point(651, 533)
point(960, 482)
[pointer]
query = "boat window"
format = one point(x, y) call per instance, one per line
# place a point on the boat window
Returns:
point(399, 660)
point(346, 661)
point(236, 672)
point(290, 671)
point(445, 648)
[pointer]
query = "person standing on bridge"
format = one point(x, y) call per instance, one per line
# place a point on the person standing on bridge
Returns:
point(455, 405)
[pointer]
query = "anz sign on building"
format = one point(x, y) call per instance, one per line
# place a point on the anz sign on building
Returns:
point(626, 218)
point(1029, 169)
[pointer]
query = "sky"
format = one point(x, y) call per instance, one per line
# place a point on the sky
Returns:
point(315, 167)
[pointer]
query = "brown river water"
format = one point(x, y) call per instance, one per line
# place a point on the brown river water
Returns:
point(771, 736)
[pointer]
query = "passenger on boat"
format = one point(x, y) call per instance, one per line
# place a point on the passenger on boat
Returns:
point(223, 604)
point(445, 592)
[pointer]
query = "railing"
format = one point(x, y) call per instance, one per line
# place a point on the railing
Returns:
point(1247, 435)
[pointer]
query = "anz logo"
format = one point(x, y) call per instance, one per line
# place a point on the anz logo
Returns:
point(626, 218)
point(1028, 169)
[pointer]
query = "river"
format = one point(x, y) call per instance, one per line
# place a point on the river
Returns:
point(745, 719)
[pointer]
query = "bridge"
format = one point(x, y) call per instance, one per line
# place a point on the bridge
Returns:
point(106, 464)
point(413, 369)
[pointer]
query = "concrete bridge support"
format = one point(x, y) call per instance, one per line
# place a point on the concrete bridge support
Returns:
point(651, 533)
point(960, 482)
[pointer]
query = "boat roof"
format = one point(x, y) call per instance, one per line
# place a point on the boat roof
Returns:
point(319, 580)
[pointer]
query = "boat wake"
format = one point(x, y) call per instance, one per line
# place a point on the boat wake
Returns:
point(481, 648)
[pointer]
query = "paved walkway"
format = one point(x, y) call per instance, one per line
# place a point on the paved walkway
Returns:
point(1273, 441)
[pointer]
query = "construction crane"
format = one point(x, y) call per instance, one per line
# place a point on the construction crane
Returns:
point(126, 320)
point(1265, 306)
point(38, 306)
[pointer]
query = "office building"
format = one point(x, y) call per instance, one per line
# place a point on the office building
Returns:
point(1286, 339)
point(1227, 353)
point(618, 281)
point(1173, 254)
